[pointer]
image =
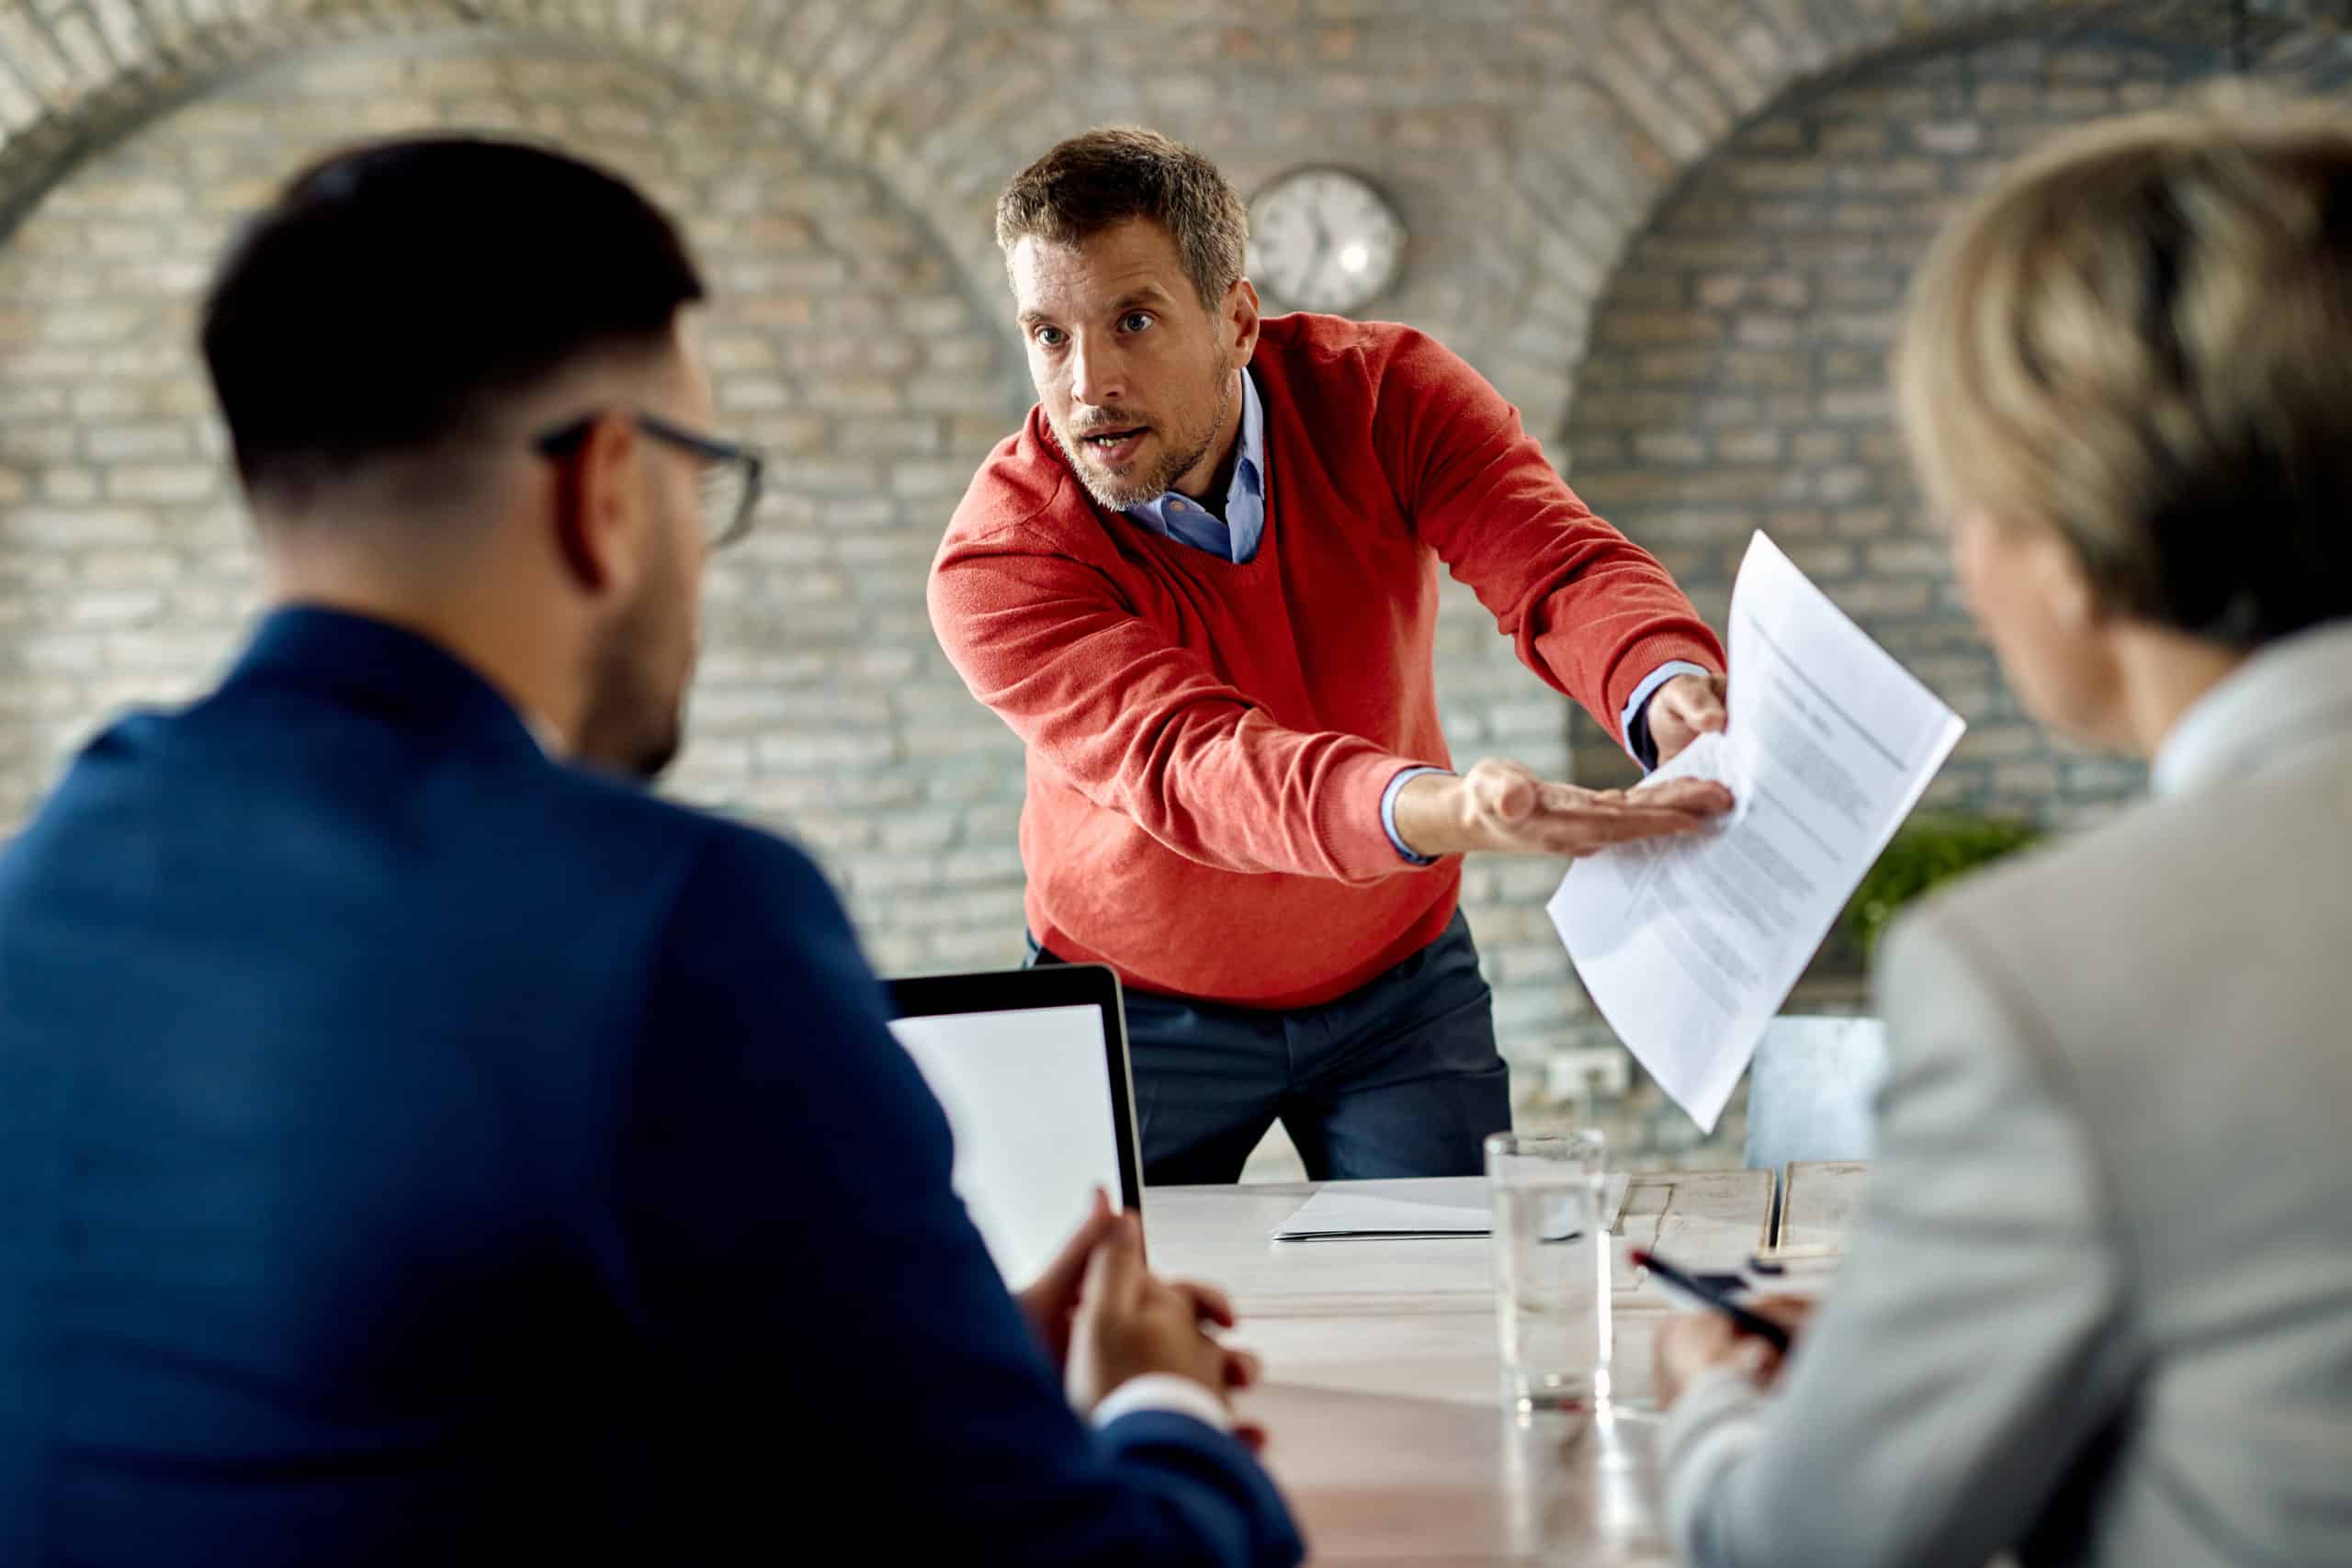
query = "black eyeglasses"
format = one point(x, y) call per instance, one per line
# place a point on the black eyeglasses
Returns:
point(731, 473)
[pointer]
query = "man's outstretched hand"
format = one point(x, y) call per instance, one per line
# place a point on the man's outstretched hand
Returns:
point(1499, 806)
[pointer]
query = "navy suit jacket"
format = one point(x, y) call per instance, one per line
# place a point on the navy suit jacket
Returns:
point(413, 1149)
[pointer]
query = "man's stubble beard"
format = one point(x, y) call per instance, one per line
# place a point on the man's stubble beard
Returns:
point(1162, 474)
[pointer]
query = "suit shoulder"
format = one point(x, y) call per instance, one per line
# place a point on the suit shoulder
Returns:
point(610, 812)
point(740, 902)
point(709, 839)
point(2075, 929)
point(2135, 873)
point(2013, 918)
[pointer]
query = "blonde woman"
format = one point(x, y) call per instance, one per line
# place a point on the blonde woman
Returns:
point(2099, 1308)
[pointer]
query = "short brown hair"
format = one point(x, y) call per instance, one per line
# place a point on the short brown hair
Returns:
point(1105, 178)
point(2140, 336)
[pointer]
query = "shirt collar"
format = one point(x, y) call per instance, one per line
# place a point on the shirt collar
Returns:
point(551, 740)
point(1249, 482)
point(1250, 472)
point(2291, 695)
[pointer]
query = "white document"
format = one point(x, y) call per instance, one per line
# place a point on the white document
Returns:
point(1423, 1207)
point(1689, 946)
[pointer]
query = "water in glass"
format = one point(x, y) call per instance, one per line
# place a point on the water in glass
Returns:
point(1550, 1272)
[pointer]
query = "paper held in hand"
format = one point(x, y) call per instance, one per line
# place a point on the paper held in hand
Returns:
point(1689, 945)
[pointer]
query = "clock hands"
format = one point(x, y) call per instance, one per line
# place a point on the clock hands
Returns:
point(1327, 241)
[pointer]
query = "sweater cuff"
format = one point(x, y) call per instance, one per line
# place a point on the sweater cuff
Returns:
point(1348, 818)
point(1635, 722)
point(1388, 814)
point(1644, 658)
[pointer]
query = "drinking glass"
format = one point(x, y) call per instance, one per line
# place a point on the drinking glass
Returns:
point(1550, 1269)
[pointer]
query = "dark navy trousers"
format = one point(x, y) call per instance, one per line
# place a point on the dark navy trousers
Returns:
point(1398, 1078)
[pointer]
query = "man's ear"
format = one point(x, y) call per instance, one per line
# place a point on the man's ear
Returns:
point(598, 498)
point(1240, 322)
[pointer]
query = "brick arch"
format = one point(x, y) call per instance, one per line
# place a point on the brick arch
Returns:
point(908, 91)
point(883, 86)
point(1539, 174)
point(1669, 82)
point(1737, 375)
point(924, 97)
point(838, 338)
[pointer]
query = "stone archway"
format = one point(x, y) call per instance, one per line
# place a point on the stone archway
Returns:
point(1668, 81)
point(1728, 374)
point(1537, 138)
point(840, 337)
point(1617, 101)
point(1735, 376)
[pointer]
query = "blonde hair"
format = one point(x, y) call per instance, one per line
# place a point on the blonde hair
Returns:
point(2140, 336)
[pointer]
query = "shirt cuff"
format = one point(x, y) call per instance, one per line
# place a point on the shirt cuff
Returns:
point(1388, 812)
point(1633, 724)
point(1163, 1391)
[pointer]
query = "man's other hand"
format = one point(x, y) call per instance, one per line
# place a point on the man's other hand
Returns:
point(1050, 1302)
point(1683, 709)
point(1130, 1324)
point(1500, 805)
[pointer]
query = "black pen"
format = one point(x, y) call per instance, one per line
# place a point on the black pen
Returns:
point(1749, 1321)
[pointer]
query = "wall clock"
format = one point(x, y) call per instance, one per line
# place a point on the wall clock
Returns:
point(1324, 238)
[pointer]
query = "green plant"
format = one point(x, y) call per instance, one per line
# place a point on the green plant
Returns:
point(1924, 851)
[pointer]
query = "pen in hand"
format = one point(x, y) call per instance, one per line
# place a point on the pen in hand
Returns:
point(1748, 1321)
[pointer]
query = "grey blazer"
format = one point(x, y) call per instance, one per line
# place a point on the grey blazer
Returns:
point(2098, 1309)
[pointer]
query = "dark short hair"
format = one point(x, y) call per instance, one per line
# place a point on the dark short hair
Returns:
point(1105, 178)
point(392, 291)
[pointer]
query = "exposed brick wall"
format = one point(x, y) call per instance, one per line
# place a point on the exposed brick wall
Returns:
point(1737, 378)
point(840, 338)
point(836, 161)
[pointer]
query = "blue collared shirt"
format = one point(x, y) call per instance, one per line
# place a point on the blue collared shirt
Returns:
point(1235, 537)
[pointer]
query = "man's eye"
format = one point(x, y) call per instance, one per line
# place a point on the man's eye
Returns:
point(1135, 322)
point(1049, 337)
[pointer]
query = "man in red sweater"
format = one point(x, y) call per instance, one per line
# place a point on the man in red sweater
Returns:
point(1201, 584)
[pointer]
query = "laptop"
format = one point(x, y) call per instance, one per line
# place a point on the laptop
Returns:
point(1031, 1065)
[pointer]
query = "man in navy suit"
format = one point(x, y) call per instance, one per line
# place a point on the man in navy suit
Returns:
point(418, 1148)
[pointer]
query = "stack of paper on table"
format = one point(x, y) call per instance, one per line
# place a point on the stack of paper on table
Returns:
point(1689, 946)
point(1421, 1209)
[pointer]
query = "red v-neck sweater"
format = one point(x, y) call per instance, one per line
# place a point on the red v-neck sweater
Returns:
point(1208, 742)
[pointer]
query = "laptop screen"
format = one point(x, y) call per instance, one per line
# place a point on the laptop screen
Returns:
point(1036, 1097)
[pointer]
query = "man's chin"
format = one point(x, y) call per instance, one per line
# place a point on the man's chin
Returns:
point(1115, 500)
point(1116, 489)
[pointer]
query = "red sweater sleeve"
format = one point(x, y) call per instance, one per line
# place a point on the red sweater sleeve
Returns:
point(1589, 610)
point(1144, 728)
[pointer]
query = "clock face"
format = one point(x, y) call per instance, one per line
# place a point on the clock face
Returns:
point(1324, 240)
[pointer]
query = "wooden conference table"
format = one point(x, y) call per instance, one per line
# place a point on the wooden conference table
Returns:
point(1382, 1387)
